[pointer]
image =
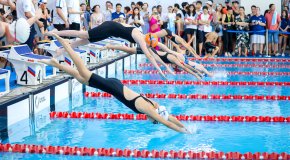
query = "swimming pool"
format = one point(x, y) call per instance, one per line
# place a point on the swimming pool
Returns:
point(240, 137)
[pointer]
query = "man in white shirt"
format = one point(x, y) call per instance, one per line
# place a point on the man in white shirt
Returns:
point(74, 12)
point(177, 10)
point(60, 15)
point(25, 9)
point(109, 11)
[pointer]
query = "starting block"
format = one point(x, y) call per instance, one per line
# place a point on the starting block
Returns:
point(93, 51)
point(64, 58)
point(5, 74)
point(28, 70)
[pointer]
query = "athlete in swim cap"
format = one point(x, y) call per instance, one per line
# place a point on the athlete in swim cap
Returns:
point(168, 57)
point(133, 100)
point(19, 30)
point(106, 30)
point(177, 40)
point(178, 61)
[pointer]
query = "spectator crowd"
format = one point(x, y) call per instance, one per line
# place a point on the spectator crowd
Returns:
point(241, 33)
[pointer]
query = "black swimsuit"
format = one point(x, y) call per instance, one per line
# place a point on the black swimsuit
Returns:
point(170, 36)
point(114, 87)
point(111, 29)
point(164, 58)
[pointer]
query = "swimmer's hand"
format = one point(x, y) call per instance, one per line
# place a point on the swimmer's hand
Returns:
point(170, 70)
point(186, 131)
point(162, 75)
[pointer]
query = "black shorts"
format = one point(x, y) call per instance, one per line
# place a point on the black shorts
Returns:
point(190, 31)
point(59, 27)
point(209, 47)
point(200, 36)
point(75, 26)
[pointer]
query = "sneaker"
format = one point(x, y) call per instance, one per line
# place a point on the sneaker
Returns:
point(226, 54)
point(277, 54)
point(229, 55)
point(283, 54)
point(268, 56)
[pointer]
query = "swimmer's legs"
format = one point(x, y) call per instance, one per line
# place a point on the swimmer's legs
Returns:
point(71, 71)
point(70, 33)
point(120, 48)
point(82, 69)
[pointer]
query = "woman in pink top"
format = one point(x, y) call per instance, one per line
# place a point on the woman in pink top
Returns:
point(155, 22)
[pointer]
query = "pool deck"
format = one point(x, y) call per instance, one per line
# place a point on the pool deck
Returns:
point(25, 90)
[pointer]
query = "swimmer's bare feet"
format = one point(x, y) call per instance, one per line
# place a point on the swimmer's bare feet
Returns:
point(51, 33)
point(169, 70)
point(51, 62)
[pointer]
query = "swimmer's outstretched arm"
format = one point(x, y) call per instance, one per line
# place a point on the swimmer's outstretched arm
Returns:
point(186, 45)
point(158, 59)
point(172, 123)
point(140, 40)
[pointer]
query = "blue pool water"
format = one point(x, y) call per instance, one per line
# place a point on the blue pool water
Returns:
point(208, 136)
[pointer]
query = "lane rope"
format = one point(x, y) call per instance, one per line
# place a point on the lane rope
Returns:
point(127, 153)
point(231, 65)
point(199, 96)
point(226, 73)
point(126, 116)
point(207, 83)
point(243, 59)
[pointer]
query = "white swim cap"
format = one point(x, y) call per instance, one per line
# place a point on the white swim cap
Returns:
point(161, 110)
point(20, 30)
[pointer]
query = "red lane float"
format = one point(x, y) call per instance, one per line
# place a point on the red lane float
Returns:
point(243, 59)
point(200, 96)
point(112, 152)
point(125, 116)
point(207, 83)
point(227, 73)
point(231, 65)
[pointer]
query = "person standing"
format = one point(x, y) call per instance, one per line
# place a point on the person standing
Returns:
point(60, 15)
point(97, 18)
point(273, 20)
point(86, 17)
point(75, 13)
point(257, 24)
point(228, 22)
point(145, 14)
point(118, 16)
point(243, 39)
point(171, 19)
point(136, 20)
point(204, 21)
point(25, 9)
point(283, 28)
point(109, 11)
point(190, 22)
point(218, 20)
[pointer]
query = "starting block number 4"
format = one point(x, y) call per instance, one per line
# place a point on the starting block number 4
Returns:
point(30, 76)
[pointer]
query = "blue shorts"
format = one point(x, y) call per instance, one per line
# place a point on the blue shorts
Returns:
point(273, 37)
